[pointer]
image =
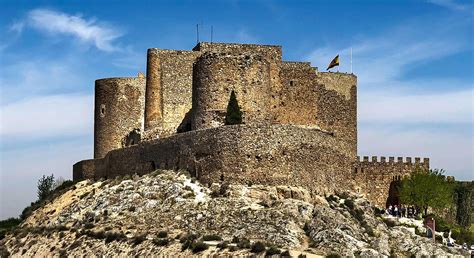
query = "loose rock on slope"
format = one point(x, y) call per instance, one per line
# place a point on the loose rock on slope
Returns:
point(131, 216)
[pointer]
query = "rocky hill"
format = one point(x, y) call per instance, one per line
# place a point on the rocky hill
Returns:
point(168, 213)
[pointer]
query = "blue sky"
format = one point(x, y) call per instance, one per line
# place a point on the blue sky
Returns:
point(413, 59)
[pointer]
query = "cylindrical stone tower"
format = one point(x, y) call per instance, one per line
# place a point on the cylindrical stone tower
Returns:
point(119, 113)
point(215, 75)
point(153, 106)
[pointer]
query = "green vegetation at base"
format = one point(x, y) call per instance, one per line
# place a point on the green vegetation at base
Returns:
point(8, 225)
point(426, 189)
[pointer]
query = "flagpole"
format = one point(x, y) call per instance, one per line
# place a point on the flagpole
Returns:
point(351, 60)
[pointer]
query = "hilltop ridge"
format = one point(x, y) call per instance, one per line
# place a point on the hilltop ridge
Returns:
point(169, 213)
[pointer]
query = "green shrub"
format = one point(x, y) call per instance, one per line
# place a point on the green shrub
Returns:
point(27, 211)
point(8, 225)
point(212, 237)
point(257, 247)
point(390, 223)
point(188, 237)
point(199, 247)
point(244, 243)
point(418, 232)
point(333, 256)
point(88, 225)
point(306, 229)
point(162, 234)
point(113, 236)
point(272, 251)
point(358, 214)
point(161, 241)
point(357, 254)
point(223, 245)
point(65, 185)
point(139, 239)
point(392, 254)
point(45, 186)
point(131, 208)
point(343, 195)
point(378, 212)
point(331, 198)
point(349, 203)
point(285, 253)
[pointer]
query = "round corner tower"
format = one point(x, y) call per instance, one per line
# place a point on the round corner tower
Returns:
point(216, 75)
point(119, 113)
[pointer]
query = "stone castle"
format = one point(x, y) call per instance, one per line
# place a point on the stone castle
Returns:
point(299, 125)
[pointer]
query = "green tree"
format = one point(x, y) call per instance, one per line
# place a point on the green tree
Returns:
point(426, 189)
point(233, 115)
point(45, 186)
point(463, 193)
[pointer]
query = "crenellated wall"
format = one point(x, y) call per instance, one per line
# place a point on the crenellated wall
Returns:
point(118, 115)
point(374, 176)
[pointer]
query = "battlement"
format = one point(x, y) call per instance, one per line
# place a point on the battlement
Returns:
point(234, 47)
point(391, 160)
point(295, 65)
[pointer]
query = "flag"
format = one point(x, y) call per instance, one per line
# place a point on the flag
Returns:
point(334, 62)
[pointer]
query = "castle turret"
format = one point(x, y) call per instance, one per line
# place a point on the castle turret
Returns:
point(153, 105)
point(216, 75)
point(118, 117)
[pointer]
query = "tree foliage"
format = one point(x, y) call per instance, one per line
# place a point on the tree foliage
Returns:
point(45, 186)
point(463, 195)
point(426, 189)
point(234, 114)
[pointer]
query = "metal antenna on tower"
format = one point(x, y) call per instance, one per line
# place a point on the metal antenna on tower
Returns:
point(197, 33)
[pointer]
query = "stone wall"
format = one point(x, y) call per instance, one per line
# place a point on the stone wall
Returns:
point(216, 75)
point(373, 177)
point(337, 105)
point(324, 100)
point(169, 90)
point(272, 154)
point(119, 105)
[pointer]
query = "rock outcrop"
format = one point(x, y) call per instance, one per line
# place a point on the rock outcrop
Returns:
point(168, 213)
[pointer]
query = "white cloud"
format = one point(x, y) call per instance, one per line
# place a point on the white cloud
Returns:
point(450, 4)
point(88, 31)
point(396, 108)
point(47, 116)
point(243, 36)
point(22, 79)
point(380, 59)
point(449, 148)
point(17, 27)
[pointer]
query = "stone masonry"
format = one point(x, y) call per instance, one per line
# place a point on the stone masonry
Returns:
point(299, 125)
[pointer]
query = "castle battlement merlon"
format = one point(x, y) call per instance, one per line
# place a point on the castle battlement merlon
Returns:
point(391, 160)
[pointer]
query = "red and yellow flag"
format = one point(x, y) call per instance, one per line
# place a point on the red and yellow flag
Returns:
point(334, 62)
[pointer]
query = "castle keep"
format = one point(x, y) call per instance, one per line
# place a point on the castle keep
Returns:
point(300, 125)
